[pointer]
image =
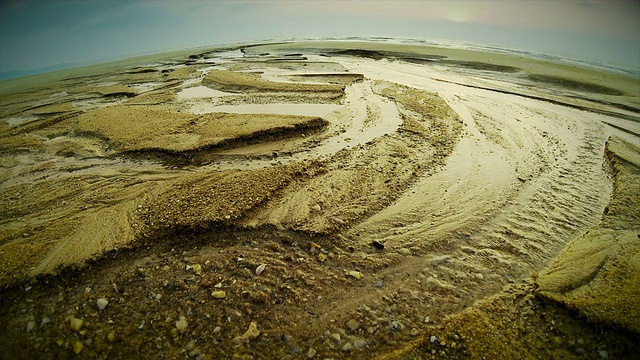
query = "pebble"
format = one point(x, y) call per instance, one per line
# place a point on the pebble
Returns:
point(322, 257)
point(31, 325)
point(604, 354)
point(181, 325)
point(316, 207)
point(311, 353)
point(260, 269)
point(355, 274)
point(404, 251)
point(347, 347)
point(77, 347)
point(217, 329)
point(414, 332)
point(360, 344)
point(111, 337)
point(433, 338)
point(479, 276)
point(75, 324)
point(220, 294)
point(195, 352)
point(102, 303)
point(336, 337)
point(251, 333)
point(353, 325)
point(190, 346)
point(197, 268)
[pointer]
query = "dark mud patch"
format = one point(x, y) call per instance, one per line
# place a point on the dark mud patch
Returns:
point(397, 55)
point(573, 85)
point(144, 70)
point(369, 54)
point(609, 103)
point(483, 66)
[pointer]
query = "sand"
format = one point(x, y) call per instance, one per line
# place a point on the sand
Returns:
point(394, 193)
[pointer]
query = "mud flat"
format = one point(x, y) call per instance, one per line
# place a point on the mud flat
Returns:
point(321, 200)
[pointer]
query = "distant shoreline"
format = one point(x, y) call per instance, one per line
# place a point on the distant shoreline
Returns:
point(594, 64)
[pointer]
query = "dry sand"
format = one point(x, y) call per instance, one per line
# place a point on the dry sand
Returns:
point(406, 202)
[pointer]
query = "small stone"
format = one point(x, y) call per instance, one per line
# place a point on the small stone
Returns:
point(260, 269)
point(316, 207)
point(311, 353)
point(355, 274)
point(77, 347)
point(195, 352)
point(404, 251)
point(190, 346)
point(75, 324)
point(604, 354)
point(111, 337)
point(415, 332)
point(433, 339)
point(220, 294)
point(31, 325)
point(166, 268)
point(479, 276)
point(60, 342)
point(197, 268)
point(102, 303)
point(322, 257)
point(359, 344)
point(347, 347)
point(217, 329)
point(46, 320)
point(353, 325)
point(181, 325)
point(251, 333)
point(336, 337)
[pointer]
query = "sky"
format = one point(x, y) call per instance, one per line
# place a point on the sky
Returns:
point(41, 33)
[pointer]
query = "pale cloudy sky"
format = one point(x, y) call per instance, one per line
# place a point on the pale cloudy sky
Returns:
point(39, 33)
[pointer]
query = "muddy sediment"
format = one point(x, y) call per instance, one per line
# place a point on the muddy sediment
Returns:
point(397, 198)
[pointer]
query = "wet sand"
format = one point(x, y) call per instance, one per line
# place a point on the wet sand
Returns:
point(395, 193)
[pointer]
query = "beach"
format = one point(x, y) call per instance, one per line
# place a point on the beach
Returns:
point(321, 200)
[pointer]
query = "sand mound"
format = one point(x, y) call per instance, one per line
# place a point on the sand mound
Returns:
point(599, 272)
point(139, 129)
